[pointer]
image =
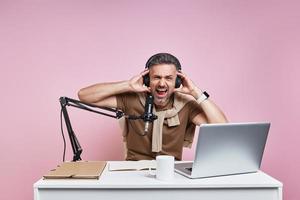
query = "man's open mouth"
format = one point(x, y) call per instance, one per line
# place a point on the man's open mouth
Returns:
point(161, 92)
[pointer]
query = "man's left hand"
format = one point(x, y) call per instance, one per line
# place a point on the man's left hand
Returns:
point(187, 86)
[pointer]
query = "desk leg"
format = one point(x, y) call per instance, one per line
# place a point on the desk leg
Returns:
point(36, 194)
point(280, 193)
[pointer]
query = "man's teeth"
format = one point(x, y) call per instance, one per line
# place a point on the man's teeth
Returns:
point(161, 90)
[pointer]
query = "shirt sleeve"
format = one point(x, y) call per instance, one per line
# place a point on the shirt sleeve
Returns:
point(121, 102)
point(126, 101)
point(195, 109)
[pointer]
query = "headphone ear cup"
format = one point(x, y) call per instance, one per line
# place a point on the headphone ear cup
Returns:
point(146, 80)
point(178, 82)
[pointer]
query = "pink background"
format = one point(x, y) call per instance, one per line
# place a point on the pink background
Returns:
point(244, 53)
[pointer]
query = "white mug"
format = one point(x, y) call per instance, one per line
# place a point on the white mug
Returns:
point(164, 167)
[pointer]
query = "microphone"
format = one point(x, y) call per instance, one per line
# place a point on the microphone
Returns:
point(148, 114)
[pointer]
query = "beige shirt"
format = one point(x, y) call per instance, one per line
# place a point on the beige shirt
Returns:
point(140, 147)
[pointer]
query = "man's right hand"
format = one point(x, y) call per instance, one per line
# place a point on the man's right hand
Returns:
point(136, 82)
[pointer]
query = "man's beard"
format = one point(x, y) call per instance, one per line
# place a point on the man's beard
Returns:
point(160, 101)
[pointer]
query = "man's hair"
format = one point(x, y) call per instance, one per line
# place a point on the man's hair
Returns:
point(163, 58)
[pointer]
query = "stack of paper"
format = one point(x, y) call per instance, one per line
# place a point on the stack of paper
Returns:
point(132, 165)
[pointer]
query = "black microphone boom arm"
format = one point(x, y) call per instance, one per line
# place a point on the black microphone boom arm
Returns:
point(65, 101)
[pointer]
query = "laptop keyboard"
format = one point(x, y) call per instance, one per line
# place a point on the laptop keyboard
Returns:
point(189, 169)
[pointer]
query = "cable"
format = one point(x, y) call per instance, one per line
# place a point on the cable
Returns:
point(62, 132)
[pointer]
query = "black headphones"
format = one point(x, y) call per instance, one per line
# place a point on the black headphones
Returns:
point(146, 78)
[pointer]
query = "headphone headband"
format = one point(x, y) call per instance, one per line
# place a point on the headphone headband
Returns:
point(163, 58)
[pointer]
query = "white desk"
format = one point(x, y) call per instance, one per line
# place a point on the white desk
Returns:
point(131, 185)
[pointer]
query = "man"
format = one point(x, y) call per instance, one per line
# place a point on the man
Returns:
point(179, 104)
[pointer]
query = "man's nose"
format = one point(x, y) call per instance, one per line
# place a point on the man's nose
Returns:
point(161, 82)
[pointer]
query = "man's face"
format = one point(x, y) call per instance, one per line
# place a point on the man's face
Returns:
point(162, 82)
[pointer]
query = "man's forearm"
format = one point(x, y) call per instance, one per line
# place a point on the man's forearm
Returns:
point(101, 91)
point(212, 112)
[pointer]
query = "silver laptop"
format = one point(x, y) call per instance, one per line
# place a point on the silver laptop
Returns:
point(226, 149)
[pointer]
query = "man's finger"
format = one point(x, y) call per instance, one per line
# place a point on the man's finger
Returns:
point(178, 90)
point(146, 71)
point(182, 75)
point(146, 89)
